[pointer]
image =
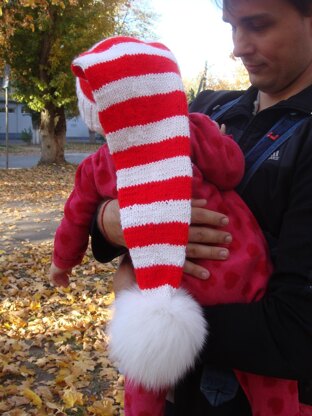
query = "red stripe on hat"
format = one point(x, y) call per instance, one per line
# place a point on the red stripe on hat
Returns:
point(174, 189)
point(86, 89)
point(143, 110)
point(77, 71)
point(102, 47)
point(159, 45)
point(150, 238)
point(152, 152)
point(172, 233)
point(129, 66)
point(110, 42)
point(153, 277)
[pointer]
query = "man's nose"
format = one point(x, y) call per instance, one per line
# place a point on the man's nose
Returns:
point(243, 45)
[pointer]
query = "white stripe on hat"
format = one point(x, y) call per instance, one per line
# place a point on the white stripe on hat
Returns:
point(160, 212)
point(154, 172)
point(88, 111)
point(149, 133)
point(135, 87)
point(120, 50)
point(158, 255)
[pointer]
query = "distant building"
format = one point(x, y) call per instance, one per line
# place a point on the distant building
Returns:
point(19, 119)
point(76, 128)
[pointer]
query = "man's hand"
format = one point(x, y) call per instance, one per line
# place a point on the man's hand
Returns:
point(59, 277)
point(204, 238)
point(204, 234)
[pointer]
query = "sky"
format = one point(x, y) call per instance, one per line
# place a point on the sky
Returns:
point(195, 33)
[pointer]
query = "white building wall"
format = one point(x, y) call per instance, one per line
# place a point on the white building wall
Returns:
point(18, 121)
point(75, 127)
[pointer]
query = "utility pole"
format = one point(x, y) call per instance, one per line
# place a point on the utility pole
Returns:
point(5, 86)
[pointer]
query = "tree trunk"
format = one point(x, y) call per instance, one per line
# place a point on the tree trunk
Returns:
point(53, 135)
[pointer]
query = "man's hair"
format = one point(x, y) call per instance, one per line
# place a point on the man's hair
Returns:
point(304, 7)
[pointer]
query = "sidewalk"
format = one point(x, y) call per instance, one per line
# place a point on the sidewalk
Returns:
point(26, 222)
point(18, 161)
point(32, 202)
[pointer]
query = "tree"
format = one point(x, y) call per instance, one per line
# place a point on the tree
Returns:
point(39, 39)
point(207, 79)
point(136, 18)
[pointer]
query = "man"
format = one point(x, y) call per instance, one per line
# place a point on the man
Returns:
point(273, 336)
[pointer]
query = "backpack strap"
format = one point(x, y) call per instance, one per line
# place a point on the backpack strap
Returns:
point(270, 142)
point(220, 110)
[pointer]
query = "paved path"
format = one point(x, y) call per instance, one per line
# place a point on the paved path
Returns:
point(30, 160)
point(25, 221)
point(31, 224)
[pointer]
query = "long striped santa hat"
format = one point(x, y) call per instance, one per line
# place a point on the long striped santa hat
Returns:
point(132, 91)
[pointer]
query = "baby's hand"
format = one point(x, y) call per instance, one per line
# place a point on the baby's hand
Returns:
point(222, 128)
point(59, 277)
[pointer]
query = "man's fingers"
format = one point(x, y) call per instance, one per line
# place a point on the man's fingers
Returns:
point(203, 216)
point(201, 203)
point(195, 270)
point(207, 235)
point(204, 238)
point(201, 251)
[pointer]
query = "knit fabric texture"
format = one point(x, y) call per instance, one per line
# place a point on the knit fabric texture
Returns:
point(132, 91)
point(136, 90)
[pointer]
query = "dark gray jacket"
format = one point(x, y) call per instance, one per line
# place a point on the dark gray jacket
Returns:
point(272, 337)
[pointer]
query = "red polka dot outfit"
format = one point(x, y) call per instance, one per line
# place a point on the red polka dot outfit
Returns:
point(218, 166)
point(242, 278)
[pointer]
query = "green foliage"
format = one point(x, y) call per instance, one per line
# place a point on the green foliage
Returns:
point(26, 135)
point(40, 38)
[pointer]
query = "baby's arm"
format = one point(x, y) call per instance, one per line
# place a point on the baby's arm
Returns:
point(72, 236)
point(216, 154)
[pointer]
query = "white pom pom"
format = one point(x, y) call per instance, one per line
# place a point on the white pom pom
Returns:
point(155, 335)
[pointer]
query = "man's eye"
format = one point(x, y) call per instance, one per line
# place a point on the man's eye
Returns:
point(258, 27)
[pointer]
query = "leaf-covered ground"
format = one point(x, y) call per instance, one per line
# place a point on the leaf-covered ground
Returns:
point(53, 348)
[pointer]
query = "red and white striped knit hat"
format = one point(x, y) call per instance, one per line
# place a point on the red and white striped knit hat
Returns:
point(132, 90)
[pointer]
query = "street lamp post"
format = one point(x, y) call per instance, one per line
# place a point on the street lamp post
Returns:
point(5, 86)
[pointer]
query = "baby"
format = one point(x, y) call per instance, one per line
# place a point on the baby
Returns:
point(132, 91)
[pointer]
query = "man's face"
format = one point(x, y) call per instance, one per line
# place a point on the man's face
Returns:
point(274, 42)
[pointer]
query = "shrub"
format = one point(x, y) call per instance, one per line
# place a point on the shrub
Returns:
point(26, 135)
